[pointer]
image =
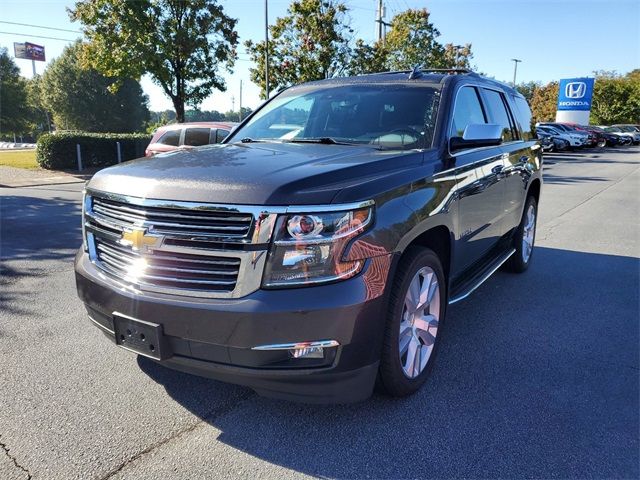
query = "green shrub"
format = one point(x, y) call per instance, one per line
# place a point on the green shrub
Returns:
point(57, 151)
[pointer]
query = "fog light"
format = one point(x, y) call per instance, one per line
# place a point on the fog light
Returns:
point(302, 349)
point(307, 352)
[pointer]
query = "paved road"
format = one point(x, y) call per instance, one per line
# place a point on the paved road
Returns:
point(537, 375)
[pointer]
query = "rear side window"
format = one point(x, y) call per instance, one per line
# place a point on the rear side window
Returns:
point(523, 114)
point(172, 138)
point(498, 113)
point(196, 136)
point(468, 110)
point(221, 135)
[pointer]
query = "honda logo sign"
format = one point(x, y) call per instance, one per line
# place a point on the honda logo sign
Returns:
point(575, 90)
point(575, 94)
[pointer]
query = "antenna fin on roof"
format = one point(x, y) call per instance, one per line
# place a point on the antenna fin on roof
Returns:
point(416, 72)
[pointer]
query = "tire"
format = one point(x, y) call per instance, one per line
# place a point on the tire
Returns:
point(524, 238)
point(398, 376)
point(602, 143)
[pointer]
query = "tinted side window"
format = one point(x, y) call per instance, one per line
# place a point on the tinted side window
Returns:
point(523, 112)
point(172, 137)
point(221, 135)
point(196, 136)
point(468, 110)
point(498, 113)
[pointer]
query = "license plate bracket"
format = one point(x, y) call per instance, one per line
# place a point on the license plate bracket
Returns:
point(138, 336)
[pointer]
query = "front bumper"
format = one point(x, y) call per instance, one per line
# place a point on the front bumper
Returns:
point(214, 337)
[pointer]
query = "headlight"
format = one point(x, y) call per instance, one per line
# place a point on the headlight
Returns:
point(308, 248)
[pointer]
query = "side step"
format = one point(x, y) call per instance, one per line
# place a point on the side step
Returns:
point(467, 288)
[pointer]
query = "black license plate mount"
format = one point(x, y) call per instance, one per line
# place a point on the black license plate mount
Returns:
point(138, 336)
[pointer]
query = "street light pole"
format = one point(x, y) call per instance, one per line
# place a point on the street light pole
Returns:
point(515, 69)
point(266, 47)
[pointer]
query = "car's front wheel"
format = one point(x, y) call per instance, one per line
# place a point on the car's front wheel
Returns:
point(524, 238)
point(417, 308)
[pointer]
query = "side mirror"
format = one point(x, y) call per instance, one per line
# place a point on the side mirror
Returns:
point(478, 135)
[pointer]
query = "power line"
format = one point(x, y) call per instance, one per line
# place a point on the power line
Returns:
point(38, 36)
point(41, 26)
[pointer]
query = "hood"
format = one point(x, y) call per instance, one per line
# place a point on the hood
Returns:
point(253, 173)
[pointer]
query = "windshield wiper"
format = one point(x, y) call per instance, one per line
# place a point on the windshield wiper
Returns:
point(247, 140)
point(322, 140)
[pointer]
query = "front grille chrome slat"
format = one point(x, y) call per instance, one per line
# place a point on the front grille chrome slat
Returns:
point(142, 214)
point(165, 267)
point(130, 222)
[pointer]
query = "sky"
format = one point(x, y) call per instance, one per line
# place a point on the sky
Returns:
point(553, 38)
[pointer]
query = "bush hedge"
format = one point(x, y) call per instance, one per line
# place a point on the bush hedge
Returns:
point(57, 151)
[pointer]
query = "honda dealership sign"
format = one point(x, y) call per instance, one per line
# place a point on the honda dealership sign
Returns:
point(574, 100)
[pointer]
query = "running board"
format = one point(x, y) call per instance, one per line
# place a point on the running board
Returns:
point(490, 270)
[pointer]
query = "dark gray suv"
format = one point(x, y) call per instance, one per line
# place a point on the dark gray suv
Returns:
point(313, 254)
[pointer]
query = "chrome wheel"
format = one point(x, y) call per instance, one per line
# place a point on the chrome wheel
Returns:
point(419, 324)
point(528, 233)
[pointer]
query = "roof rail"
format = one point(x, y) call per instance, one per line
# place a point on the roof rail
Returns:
point(448, 70)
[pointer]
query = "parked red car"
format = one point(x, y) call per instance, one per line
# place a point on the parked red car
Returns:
point(185, 135)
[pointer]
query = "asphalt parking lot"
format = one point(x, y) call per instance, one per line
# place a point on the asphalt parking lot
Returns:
point(538, 374)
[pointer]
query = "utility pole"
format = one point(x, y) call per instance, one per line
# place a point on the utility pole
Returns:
point(515, 69)
point(379, 20)
point(266, 47)
point(240, 100)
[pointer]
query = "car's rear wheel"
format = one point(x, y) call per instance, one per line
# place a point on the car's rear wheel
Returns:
point(602, 143)
point(524, 238)
point(416, 311)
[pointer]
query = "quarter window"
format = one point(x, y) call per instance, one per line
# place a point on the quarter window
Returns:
point(523, 112)
point(172, 138)
point(221, 135)
point(498, 113)
point(468, 110)
point(196, 136)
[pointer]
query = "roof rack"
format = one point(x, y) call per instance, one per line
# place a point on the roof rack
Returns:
point(448, 70)
point(418, 70)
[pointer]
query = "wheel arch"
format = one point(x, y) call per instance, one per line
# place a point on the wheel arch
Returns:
point(534, 189)
point(440, 240)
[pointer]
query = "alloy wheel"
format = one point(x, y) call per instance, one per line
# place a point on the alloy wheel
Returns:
point(528, 233)
point(419, 324)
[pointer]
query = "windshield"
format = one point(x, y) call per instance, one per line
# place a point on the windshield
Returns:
point(385, 115)
point(612, 129)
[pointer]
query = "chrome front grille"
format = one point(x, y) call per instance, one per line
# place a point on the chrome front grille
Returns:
point(180, 248)
point(194, 272)
point(196, 222)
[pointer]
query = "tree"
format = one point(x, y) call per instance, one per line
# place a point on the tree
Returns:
point(527, 89)
point(367, 58)
point(39, 115)
point(616, 98)
point(311, 42)
point(412, 40)
point(544, 103)
point(80, 98)
point(181, 45)
point(14, 111)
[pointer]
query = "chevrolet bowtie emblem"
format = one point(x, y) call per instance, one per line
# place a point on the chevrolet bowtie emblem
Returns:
point(140, 239)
